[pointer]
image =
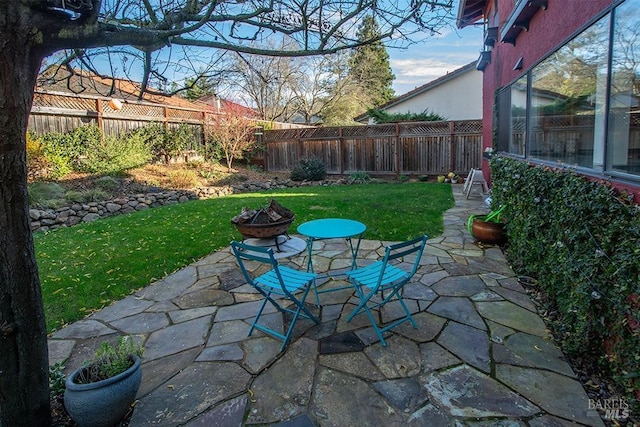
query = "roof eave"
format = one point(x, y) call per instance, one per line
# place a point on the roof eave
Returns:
point(470, 12)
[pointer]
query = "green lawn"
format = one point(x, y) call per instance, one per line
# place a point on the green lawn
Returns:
point(88, 266)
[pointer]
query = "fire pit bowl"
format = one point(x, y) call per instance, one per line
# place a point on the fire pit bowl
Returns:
point(264, 231)
point(264, 223)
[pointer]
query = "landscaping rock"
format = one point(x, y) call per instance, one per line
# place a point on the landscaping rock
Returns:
point(76, 213)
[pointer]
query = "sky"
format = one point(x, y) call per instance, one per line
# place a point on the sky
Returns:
point(422, 63)
point(426, 61)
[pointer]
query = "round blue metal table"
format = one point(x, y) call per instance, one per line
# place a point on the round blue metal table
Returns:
point(332, 228)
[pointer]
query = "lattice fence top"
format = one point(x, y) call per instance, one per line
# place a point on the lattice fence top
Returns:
point(138, 110)
point(625, 120)
point(368, 131)
point(128, 108)
point(375, 131)
point(320, 133)
point(64, 102)
point(468, 126)
point(518, 124)
point(178, 113)
point(421, 128)
point(566, 120)
point(280, 134)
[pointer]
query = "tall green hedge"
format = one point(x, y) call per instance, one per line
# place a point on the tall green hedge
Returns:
point(581, 240)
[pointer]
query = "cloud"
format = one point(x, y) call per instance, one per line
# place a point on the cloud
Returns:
point(424, 62)
point(411, 73)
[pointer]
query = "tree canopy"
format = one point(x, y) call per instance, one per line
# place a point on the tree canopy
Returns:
point(172, 38)
point(370, 67)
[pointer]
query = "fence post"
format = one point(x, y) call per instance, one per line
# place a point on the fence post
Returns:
point(99, 112)
point(299, 150)
point(397, 151)
point(340, 150)
point(205, 140)
point(452, 160)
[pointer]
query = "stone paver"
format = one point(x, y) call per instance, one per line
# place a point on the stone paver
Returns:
point(481, 356)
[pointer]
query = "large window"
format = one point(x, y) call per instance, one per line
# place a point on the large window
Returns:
point(518, 109)
point(511, 117)
point(624, 108)
point(580, 106)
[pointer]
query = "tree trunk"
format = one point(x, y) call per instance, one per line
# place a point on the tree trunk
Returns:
point(24, 365)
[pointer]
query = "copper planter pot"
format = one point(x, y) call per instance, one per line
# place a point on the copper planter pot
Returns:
point(488, 231)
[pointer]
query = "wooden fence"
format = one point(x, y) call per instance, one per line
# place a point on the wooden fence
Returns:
point(60, 112)
point(422, 148)
point(63, 112)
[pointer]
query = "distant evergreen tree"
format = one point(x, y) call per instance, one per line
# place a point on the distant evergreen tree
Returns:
point(197, 87)
point(369, 66)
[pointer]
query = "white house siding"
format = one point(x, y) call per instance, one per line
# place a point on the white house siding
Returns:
point(458, 98)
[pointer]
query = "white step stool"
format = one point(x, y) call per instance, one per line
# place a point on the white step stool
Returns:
point(474, 177)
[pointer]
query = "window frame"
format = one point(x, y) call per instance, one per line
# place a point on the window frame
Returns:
point(503, 119)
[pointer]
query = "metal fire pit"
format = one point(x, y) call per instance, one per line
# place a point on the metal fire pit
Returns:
point(264, 231)
point(264, 223)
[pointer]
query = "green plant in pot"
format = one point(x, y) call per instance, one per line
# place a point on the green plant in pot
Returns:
point(100, 393)
point(488, 228)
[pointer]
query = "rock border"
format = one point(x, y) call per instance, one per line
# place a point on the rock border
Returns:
point(77, 213)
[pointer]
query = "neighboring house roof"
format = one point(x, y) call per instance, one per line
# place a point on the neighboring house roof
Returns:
point(469, 12)
point(59, 80)
point(298, 118)
point(220, 104)
point(421, 90)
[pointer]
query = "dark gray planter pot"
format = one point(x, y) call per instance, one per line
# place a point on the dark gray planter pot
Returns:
point(103, 403)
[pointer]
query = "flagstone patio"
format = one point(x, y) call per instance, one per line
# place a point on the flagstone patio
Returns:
point(481, 355)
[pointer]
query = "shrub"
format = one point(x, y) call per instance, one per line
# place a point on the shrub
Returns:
point(46, 194)
point(113, 156)
point(581, 239)
point(45, 161)
point(80, 139)
point(212, 152)
point(59, 166)
point(57, 379)
point(37, 164)
point(152, 135)
point(255, 168)
point(84, 196)
point(54, 155)
point(106, 182)
point(184, 178)
point(381, 116)
point(164, 144)
point(71, 146)
point(359, 177)
point(311, 169)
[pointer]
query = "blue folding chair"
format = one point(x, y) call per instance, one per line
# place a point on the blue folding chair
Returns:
point(280, 281)
point(386, 276)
